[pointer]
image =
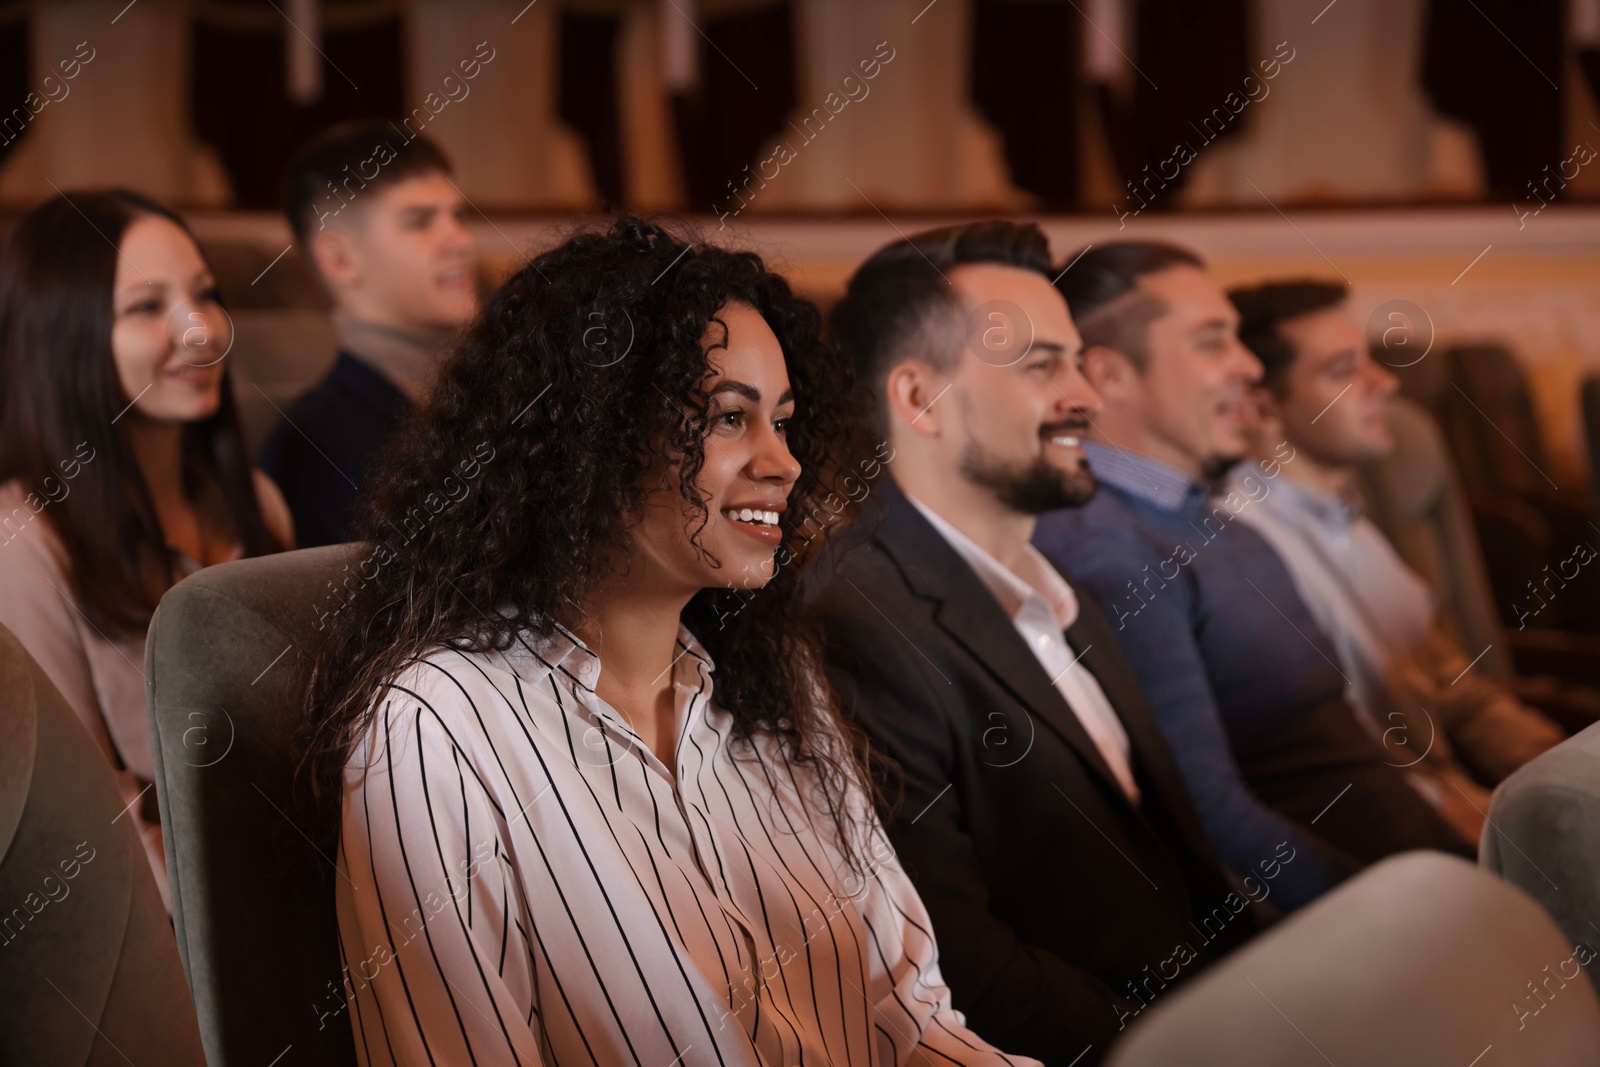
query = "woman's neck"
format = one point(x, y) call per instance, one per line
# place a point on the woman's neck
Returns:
point(158, 451)
point(187, 524)
point(633, 629)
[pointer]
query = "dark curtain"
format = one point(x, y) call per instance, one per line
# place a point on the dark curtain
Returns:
point(240, 100)
point(723, 124)
point(587, 94)
point(16, 39)
point(1589, 64)
point(1025, 60)
point(1193, 56)
point(1497, 65)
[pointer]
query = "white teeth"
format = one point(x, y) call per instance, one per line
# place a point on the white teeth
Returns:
point(1069, 442)
point(751, 515)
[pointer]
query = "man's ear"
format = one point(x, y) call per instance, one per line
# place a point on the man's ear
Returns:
point(1267, 408)
point(1110, 372)
point(911, 388)
point(334, 253)
point(1262, 416)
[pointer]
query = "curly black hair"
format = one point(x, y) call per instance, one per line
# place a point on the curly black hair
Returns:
point(502, 504)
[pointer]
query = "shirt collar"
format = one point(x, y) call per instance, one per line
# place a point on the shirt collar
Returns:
point(1040, 579)
point(408, 358)
point(1148, 479)
point(564, 651)
point(1334, 512)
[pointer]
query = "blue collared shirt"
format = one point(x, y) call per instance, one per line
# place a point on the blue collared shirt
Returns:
point(1376, 610)
point(1148, 479)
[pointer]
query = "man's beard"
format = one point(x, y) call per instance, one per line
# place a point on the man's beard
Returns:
point(1214, 468)
point(1030, 488)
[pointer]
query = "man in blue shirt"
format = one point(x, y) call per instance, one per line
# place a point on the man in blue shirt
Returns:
point(1326, 398)
point(1240, 679)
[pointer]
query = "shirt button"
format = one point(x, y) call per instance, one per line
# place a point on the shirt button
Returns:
point(1042, 641)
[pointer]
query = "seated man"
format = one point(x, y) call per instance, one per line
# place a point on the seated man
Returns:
point(380, 219)
point(1325, 396)
point(1235, 670)
point(1040, 815)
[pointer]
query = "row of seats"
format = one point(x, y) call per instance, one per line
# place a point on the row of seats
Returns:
point(1421, 959)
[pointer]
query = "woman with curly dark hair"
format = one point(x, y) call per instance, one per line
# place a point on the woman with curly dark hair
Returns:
point(553, 862)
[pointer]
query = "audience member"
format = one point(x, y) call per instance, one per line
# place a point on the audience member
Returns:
point(1041, 813)
point(597, 803)
point(382, 222)
point(122, 468)
point(1237, 673)
point(1325, 396)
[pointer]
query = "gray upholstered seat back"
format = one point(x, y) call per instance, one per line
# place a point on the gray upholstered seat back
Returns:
point(1414, 495)
point(89, 973)
point(1423, 958)
point(1544, 836)
point(226, 665)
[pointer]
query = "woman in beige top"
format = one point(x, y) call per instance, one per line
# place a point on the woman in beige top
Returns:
point(122, 468)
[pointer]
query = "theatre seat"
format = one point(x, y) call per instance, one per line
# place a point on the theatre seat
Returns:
point(1414, 496)
point(226, 665)
point(1422, 959)
point(89, 973)
point(1589, 404)
point(1544, 835)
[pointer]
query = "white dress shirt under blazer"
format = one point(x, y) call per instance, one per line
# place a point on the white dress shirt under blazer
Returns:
point(1042, 606)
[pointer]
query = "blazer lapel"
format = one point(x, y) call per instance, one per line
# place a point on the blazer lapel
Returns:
point(968, 612)
point(1098, 647)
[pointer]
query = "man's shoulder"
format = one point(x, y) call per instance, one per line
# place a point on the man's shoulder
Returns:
point(353, 406)
point(350, 389)
point(1107, 528)
point(855, 569)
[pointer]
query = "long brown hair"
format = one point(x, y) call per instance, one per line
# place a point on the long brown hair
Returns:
point(60, 397)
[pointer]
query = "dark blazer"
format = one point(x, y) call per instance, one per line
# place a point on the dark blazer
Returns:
point(320, 453)
point(1060, 908)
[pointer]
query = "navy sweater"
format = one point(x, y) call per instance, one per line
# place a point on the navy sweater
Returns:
point(1224, 648)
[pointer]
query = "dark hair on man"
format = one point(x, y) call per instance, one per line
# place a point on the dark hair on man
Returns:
point(1096, 282)
point(1263, 307)
point(900, 301)
point(335, 167)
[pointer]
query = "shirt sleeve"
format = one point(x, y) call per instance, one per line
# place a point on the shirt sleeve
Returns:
point(912, 1015)
point(1490, 730)
point(1161, 647)
point(35, 606)
point(433, 923)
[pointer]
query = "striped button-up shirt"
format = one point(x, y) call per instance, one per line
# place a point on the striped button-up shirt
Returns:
point(525, 882)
